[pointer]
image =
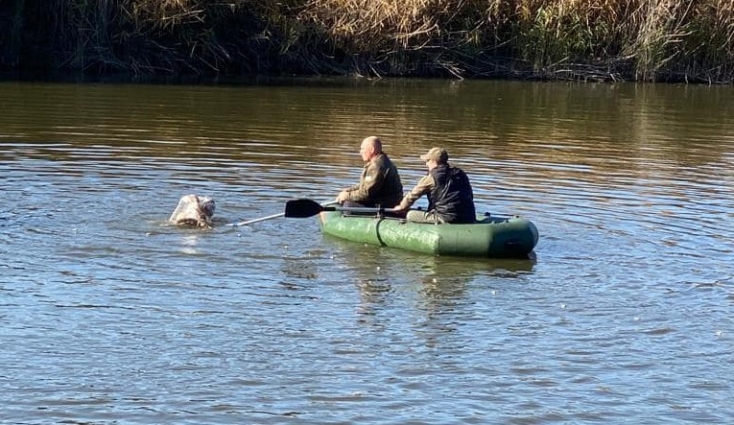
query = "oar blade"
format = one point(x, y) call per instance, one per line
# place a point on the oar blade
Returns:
point(302, 208)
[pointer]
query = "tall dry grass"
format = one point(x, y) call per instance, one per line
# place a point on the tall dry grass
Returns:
point(601, 39)
point(707, 52)
point(643, 40)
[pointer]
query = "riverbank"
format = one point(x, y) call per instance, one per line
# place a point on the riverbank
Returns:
point(595, 40)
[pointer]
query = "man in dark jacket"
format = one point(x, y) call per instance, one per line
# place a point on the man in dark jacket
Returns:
point(380, 182)
point(450, 195)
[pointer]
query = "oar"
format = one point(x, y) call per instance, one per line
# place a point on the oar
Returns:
point(302, 208)
point(270, 217)
point(257, 220)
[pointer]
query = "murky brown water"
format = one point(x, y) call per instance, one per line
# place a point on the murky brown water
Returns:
point(111, 316)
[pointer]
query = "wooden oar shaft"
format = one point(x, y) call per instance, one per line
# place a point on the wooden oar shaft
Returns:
point(360, 209)
point(302, 208)
point(257, 220)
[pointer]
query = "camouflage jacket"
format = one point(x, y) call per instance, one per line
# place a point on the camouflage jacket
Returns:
point(379, 184)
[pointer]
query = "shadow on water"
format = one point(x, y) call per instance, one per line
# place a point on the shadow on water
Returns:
point(371, 257)
point(436, 296)
point(378, 270)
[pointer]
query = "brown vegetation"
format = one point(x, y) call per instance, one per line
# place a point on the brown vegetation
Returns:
point(642, 40)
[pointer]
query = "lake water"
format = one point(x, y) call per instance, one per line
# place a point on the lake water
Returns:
point(111, 316)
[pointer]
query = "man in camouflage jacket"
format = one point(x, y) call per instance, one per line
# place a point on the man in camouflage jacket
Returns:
point(380, 182)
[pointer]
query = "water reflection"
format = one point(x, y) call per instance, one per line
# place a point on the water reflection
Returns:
point(438, 285)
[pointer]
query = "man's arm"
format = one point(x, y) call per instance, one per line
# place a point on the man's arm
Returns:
point(371, 182)
point(425, 185)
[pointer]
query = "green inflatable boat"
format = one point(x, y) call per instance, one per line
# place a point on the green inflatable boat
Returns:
point(490, 236)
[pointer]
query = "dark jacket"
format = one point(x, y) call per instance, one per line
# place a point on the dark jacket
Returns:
point(452, 197)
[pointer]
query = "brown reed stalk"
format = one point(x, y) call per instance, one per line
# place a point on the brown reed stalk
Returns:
point(709, 50)
point(645, 40)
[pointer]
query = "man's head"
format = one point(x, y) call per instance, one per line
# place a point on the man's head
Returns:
point(435, 157)
point(370, 148)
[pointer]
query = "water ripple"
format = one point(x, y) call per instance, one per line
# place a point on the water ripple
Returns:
point(110, 312)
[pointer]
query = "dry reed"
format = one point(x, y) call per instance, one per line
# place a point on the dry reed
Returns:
point(643, 40)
